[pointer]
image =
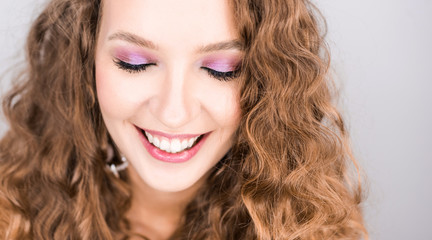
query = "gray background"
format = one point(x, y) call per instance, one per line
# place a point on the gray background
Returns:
point(382, 60)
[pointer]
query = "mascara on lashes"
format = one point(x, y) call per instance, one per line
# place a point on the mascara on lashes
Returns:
point(222, 68)
point(132, 62)
point(133, 68)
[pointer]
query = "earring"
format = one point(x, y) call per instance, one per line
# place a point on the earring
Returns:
point(115, 169)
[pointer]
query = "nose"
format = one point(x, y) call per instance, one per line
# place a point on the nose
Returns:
point(176, 104)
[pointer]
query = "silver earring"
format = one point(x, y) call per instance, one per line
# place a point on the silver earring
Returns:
point(115, 169)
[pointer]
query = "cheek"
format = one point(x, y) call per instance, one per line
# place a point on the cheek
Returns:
point(121, 94)
point(223, 103)
point(113, 97)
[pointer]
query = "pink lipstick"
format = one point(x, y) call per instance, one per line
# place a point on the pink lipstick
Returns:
point(176, 148)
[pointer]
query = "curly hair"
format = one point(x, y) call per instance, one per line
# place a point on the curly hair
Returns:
point(287, 175)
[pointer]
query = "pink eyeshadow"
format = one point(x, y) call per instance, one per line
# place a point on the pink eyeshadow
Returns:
point(133, 56)
point(221, 64)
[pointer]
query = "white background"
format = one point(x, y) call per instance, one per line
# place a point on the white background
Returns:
point(382, 59)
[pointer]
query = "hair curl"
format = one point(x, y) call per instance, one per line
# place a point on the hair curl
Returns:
point(286, 176)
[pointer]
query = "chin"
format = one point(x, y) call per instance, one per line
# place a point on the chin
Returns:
point(168, 176)
point(179, 185)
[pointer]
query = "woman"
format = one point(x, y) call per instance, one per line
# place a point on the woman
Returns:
point(176, 120)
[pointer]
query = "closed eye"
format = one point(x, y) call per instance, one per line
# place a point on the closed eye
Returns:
point(222, 76)
point(132, 68)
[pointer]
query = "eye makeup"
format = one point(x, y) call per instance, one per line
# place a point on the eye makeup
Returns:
point(222, 67)
point(133, 60)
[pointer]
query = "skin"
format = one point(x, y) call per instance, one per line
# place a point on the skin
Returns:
point(175, 95)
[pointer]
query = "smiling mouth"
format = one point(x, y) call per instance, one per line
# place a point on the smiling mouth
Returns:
point(171, 145)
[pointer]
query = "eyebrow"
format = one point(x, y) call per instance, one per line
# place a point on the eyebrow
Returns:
point(227, 45)
point(142, 42)
point(134, 39)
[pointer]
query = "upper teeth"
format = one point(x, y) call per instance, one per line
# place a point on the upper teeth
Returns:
point(172, 146)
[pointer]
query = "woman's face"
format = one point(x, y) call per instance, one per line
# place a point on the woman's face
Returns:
point(165, 78)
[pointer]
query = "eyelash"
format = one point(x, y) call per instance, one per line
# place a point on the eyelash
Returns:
point(132, 68)
point(136, 68)
point(221, 76)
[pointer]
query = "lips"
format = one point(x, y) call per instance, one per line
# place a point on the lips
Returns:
point(171, 144)
point(171, 148)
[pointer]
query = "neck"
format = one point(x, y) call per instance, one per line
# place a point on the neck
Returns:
point(156, 214)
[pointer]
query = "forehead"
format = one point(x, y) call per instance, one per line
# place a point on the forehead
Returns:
point(170, 23)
